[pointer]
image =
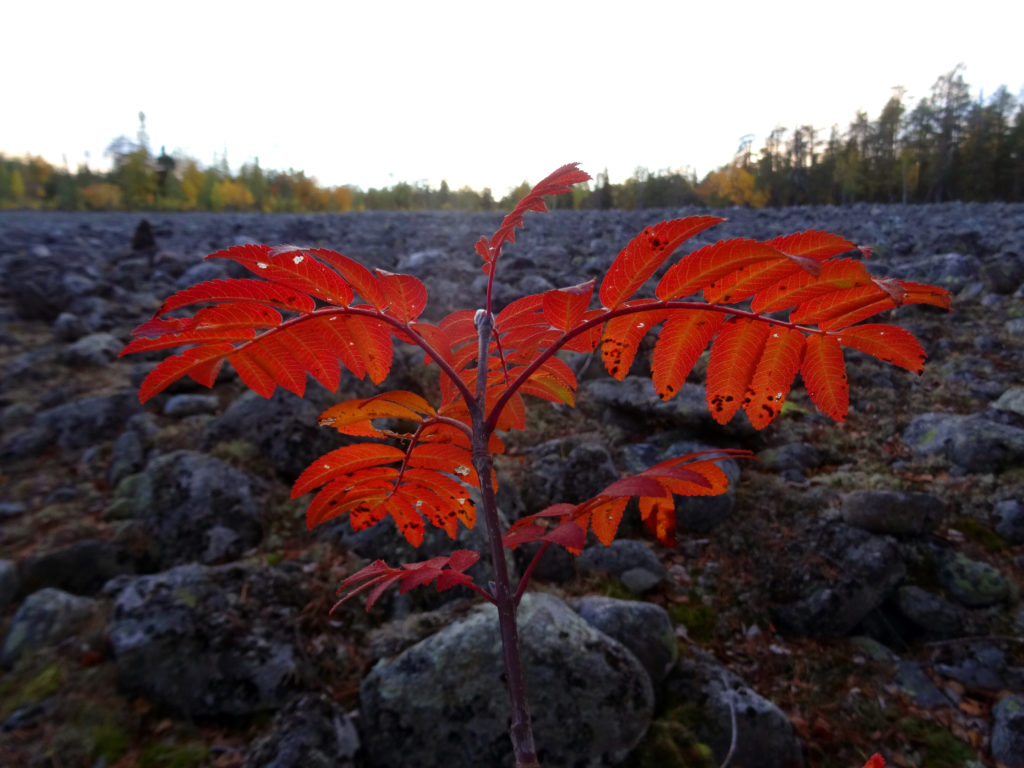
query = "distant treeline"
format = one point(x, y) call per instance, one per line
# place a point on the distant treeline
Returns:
point(947, 147)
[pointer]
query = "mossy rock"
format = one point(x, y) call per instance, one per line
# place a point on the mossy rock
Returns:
point(973, 583)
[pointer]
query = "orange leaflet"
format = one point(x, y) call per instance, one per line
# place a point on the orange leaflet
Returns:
point(804, 251)
point(603, 514)
point(205, 358)
point(243, 290)
point(824, 373)
point(556, 183)
point(291, 266)
point(365, 284)
point(564, 307)
point(270, 361)
point(813, 244)
point(774, 376)
point(199, 336)
point(342, 461)
point(731, 365)
point(659, 516)
point(353, 417)
point(445, 457)
point(801, 287)
point(712, 262)
point(681, 341)
point(642, 256)
point(886, 342)
point(622, 336)
point(404, 295)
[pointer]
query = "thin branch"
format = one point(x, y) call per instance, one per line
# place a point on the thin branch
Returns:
point(525, 578)
point(658, 306)
point(481, 591)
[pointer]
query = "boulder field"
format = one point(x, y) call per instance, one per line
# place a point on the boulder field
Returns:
point(857, 590)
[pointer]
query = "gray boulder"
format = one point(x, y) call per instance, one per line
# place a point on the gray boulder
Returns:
point(81, 567)
point(1011, 401)
point(935, 615)
point(791, 460)
point(915, 682)
point(893, 512)
point(632, 562)
point(644, 628)
point(831, 578)
point(569, 470)
point(311, 731)
point(443, 699)
point(980, 666)
point(1008, 731)
point(1011, 520)
point(970, 443)
point(973, 583)
point(764, 736)
point(284, 428)
point(194, 507)
point(94, 350)
point(75, 425)
point(190, 404)
point(209, 641)
point(43, 618)
point(1005, 274)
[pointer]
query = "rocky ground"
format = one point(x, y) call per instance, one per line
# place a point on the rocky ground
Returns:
point(162, 603)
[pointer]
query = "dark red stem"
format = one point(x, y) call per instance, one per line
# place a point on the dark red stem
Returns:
point(520, 729)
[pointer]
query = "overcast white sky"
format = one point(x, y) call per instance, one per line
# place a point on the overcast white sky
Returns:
point(480, 93)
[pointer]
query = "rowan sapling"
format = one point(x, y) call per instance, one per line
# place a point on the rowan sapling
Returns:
point(768, 310)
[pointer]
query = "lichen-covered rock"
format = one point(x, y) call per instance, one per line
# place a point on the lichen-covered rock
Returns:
point(1008, 731)
point(970, 443)
point(630, 561)
point(644, 628)
point(93, 350)
point(443, 700)
point(935, 615)
point(194, 507)
point(764, 736)
point(75, 425)
point(81, 567)
point(897, 513)
point(284, 428)
point(43, 618)
point(832, 577)
point(973, 583)
point(569, 470)
point(311, 731)
point(209, 641)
